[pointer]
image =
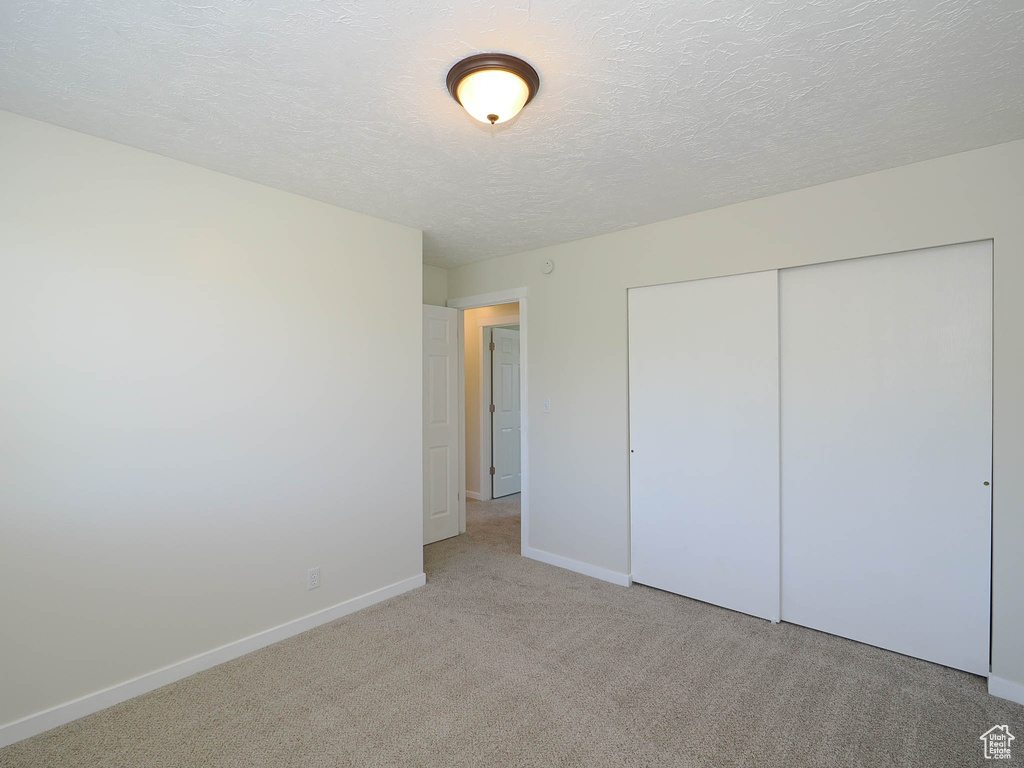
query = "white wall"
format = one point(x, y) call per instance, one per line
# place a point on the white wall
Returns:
point(193, 372)
point(473, 340)
point(435, 285)
point(579, 452)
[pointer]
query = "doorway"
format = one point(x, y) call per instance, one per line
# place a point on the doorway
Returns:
point(480, 325)
point(479, 316)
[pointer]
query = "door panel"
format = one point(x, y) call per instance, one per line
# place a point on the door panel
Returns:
point(438, 459)
point(886, 446)
point(440, 424)
point(704, 440)
point(506, 421)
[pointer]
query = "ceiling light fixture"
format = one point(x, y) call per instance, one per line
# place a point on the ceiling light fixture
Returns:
point(493, 87)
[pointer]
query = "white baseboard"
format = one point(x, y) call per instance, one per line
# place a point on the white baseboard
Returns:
point(474, 495)
point(94, 702)
point(622, 579)
point(1006, 689)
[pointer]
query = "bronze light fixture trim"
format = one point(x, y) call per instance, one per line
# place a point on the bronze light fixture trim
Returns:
point(493, 87)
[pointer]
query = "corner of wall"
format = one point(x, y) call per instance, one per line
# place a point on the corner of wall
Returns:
point(435, 285)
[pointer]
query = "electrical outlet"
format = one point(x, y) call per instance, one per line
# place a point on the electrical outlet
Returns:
point(313, 578)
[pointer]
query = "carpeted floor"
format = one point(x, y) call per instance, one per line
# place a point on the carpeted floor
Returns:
point(503, 661)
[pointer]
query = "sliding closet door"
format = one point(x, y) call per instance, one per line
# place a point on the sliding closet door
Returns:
point(887, 451)
point(704, 440)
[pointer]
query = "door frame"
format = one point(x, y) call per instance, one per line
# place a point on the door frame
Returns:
point(486, 385)
point(487, 300)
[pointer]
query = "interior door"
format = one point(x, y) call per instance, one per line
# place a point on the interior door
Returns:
point(887, 451)
point(440, 423)
point(506, 417)
point(704, 440)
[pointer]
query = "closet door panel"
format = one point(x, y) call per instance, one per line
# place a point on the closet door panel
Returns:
point(704, 419)
point(886, 378)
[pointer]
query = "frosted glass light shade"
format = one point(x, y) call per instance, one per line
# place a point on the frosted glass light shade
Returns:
point(493, 95)
point(493, 87)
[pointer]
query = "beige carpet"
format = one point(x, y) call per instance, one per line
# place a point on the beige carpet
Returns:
point(502, 661)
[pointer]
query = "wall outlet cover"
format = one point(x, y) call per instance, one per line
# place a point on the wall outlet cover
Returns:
point(313, 578)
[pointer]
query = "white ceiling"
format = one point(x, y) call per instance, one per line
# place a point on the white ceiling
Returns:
point(648, 109)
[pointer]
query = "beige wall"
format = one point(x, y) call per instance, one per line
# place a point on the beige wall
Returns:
point(435, 286)
point(578, 452)
point(194, 373)
point(474, 340)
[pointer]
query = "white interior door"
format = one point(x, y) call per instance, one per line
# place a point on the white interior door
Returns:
point(440, 423)
point(506, 417)
point(887, 451)
point(704, 440)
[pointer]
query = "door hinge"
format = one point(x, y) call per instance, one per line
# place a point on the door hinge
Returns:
point(492, 470)
point(492, 346)
point(492, 407)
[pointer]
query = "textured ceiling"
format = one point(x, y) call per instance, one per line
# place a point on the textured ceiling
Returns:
point(648, 109)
